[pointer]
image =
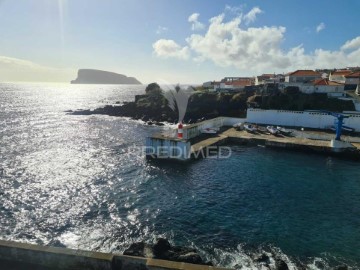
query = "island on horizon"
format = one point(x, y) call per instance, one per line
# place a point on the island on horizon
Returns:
point(94, 76)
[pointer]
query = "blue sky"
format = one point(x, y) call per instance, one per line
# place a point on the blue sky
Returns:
point(174, 41)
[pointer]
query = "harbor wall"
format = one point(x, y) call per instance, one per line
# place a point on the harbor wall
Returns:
point(16, 256)
point(299, 119)
point(168, 148)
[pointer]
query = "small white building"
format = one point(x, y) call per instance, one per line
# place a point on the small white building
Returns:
point(302, 76)
point(269, 78)
point(353, 78)
point(333, 89)
point(262, 79)
point(339, 75)
point(327, 86)
point(233, 84)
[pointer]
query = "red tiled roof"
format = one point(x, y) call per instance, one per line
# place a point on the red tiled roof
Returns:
point(341, 72)
point(353, 75)
point(327, 82)
point(304, 73)
point(240, 83)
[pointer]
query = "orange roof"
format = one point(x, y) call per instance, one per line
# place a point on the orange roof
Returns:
point(353, 75)
point(304, 73)
point(239, 83)
point(326, 82)
point(341, 72)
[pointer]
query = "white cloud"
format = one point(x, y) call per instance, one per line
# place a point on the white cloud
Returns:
point(251, 15)
point(168, 48)
point(235, 10)
point(352, 44)
point(320, 27)
point(256, 49)
point(14, 69)
point(196, 25)
point(161, 29)
point(226, 44)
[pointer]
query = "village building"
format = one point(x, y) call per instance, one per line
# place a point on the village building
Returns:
point(302, 76)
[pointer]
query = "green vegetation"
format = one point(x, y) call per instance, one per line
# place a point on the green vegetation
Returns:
point(300, 102)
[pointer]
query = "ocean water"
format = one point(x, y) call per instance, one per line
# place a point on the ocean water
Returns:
point(77, 181)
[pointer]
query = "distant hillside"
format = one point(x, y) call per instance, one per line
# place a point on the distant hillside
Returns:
point(93, 76)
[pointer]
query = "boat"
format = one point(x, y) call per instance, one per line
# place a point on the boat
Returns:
point(262, 130)
point(238, 126)
point(272, 130)
point(284, 131)
point(250, 128)
point(209, 131)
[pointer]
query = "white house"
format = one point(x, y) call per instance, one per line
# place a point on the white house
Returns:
point(333, 89)
point(263, 79)
point(269, 78)
point(233, 85)
point(339, 75)
point(327, 86)
point(352, 80)
point(302, 76)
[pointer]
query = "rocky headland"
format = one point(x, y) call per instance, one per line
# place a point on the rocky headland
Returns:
point(153, 106)
point(93, 76)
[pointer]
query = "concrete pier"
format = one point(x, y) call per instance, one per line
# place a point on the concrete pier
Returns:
point(194, 144)
point(20, 256)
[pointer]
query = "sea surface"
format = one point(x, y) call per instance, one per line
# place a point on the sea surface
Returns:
point(81, 182)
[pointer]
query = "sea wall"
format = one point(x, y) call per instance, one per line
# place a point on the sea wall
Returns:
point(299, 119)
point(159, 147)
point(27, 256)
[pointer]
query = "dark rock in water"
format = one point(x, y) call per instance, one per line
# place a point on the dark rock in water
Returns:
point(163, 250)
point(280, 264)
point(161, 247)
point(190, 257)
point(136, 249)
point(149, 123)
point(159, 124)
point(341, 267)
point(262, 258)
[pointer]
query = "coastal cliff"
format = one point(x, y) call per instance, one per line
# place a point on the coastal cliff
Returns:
point(152, 107)
point(93, 76)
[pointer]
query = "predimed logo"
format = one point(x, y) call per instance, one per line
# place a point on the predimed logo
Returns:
point(178, 99)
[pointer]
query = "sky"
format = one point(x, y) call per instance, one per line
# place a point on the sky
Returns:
point(174, 41)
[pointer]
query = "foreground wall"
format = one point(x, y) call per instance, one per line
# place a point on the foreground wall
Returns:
point(21, 255)
point(167, 148)
point(299, 119)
